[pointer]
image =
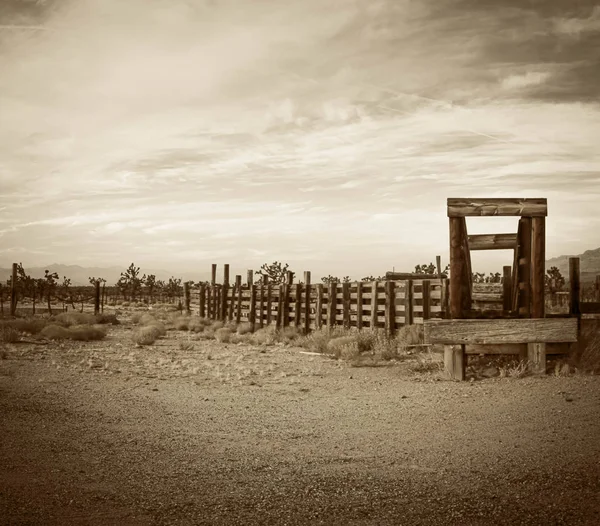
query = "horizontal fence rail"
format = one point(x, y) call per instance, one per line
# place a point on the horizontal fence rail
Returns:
point(378, 304)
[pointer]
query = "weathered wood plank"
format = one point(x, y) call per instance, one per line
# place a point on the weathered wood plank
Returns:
point(408, 302)
point(331, 304)
point(261, 306)
point(523, 330)
point(457, 267)
point(307, 287)
point(470, 207)
point(492, 241)
point(390, 326)
point(488, 297)
point(202, 309)
point(269, 303)
point(346, 304)
point(298, 305)
point(319, 307)
point(536, 356)
point(252, 314)
point(575, 287)
point(506, 288)
point(401, 276)
point(426, 301)
point(538, 266)
point(359, 306)
point(455, 362)
point(524, 284)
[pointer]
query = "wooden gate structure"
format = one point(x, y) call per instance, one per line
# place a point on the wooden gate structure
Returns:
point(522, 327)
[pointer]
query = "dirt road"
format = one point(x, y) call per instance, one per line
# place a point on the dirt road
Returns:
point(240, 435)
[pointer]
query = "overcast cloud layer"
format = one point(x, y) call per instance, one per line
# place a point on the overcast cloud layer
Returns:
point(328, 135)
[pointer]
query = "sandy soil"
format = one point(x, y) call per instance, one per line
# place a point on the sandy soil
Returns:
point(103, 433)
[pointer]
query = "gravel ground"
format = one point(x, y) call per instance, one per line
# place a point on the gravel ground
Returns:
point(103, 433)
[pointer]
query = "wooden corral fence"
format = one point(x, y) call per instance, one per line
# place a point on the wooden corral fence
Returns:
point(388, 304)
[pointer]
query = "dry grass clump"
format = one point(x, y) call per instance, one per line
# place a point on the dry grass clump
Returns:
point(344, 348)
point(265, 336)
point(52, 331)
point(223, 335)
point(86, 333)
point(289, 334)
point(244, 328)
point(514, 369)
point(182, 323)
point(196, 325)
point(125, 304)
point(147, 335)
point(9, 334)
point(216, 325)
point(27, 325)
point(585, 357)
point(105, 319)
point(186, 346)
point(67, 319)
point(136, 317)
point(426, 363)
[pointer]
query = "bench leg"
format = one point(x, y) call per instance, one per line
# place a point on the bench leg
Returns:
point(536, 354)
point(455, 362)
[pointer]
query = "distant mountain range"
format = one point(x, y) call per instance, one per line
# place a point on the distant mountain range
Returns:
point(589, 265)
point(80, 275)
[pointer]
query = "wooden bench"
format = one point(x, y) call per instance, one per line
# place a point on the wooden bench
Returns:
point(535, 333)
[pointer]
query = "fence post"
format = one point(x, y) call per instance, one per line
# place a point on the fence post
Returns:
point(261, 306)
point(319, 307)
point(223, 305)
point(280, 301)
point(575, 288)
point(507, 289)
point(252, 313)
point(186, 297)
point(298, 305)
point(408, 302)
point(290, 277)
point(285, 311)
point(13, 291)
point(307, 290)
point(426, 299)
point(96, 297)
point(250, 277)
point(346, 305)
point(202, 298)
point(390, 311)
point(331, 306)
point(359, 306)
point(269, 303)
point(374, 306)
point(238, 306)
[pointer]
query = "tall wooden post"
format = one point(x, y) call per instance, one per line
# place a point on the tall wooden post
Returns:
point(438, 264)
point(252, 312)
point(506, 289)
point(213, 276)
point(238, 304)
point(319, 307)
point(575, 287)
point(359, 306)
point(458, 267)
point(13, 291)
point(426, 288)
point(390, 311)
point(289, 277)
point(408, 302)
point(346, 305)
point(374, 305)
point(298, 305)
point(332, 305)
point(306, 302)
point(249, 277)
point(538, 266)
point(202, 310)
point(269, 303)
point(225, 291)
point(186, 297)
point(525, 251)
point(285, 305)
point(97, 297)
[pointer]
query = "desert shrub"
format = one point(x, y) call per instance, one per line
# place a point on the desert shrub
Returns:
point(145, 335)
point(289, 334)
point(66, 319)
point(86, 332)
point(196, 325)
point(147, 319)
point(53, 331)
point(317, 341)
point(241, 338)
point(136, 317)
point(514, 369)
point(182, 323)
point(186, 346)
point(244, 328)
point(223, 335)
point(28, 325)
point(343, 347)
point(265, 336)
point(105, 319)
point(216, 325)
point(410, 335)
point(9, 334)
point(125, 304)
point(157, 327)
point(585, 356)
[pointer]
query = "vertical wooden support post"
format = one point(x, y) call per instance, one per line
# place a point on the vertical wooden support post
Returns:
point(225, 291)
point(202, 310)
point(319, 307)
point(280, 306)
point(455, 362)
point(536, 356)
point(506, 289)
point(250, 277)
point(359, 306)
point(458, 268)
point(209, 290)
point(445, 299)
point(261, 306)
point(285, 311)
point(307, 290)
point(426, 299)
point(231, 292)
point(217, 302)
point(252, 313)
point(97, 297)
point(298, 305)
point(238, 303)
point(332, 305)
point(269, 303)
point(213, 275)
point(524, 285)
point(408, 302)
point(390, 310)
point(538, 266)
point(289, 277)
point(346, 305)
point(13, 291)
point(374, 305)
point(438, 265)
point(575, 287)
point(186, 297)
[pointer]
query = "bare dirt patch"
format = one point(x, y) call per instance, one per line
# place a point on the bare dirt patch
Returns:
point(192, 431)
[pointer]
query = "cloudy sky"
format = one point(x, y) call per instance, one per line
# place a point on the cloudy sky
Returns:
point(177, 133)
